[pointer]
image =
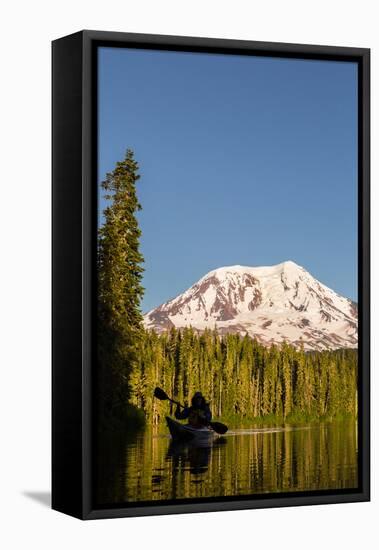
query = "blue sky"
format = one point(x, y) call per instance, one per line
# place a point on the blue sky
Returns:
point(243, 160)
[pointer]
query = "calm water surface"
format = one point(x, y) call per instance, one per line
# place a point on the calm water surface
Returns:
point(243, 462)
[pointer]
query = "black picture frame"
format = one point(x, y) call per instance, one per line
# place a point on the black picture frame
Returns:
point(74, 228)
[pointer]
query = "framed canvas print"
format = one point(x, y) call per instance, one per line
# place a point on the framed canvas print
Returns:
point(210, 274)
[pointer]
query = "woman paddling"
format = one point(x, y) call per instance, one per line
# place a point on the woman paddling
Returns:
point(198, 414)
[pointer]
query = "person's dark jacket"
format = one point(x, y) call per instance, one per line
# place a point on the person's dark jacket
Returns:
point(203, 412)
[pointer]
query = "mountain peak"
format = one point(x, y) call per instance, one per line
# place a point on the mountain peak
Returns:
point(287, 265)
point(270, 303)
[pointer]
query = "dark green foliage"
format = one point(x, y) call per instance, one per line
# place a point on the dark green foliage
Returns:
point(243, 380)
point(119, 294)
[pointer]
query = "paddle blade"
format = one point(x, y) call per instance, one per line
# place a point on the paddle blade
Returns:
point(219, 427)
point(160, 394)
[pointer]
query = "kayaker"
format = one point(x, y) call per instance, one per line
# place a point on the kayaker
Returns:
point(198, 414)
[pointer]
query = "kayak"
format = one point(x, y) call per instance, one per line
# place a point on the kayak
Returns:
point(185, 432)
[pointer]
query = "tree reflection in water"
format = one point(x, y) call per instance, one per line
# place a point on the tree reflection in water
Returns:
point(152, 467)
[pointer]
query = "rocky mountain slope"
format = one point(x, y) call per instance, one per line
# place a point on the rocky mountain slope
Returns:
point(271, 304)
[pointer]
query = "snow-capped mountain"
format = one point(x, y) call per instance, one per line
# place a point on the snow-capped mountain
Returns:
point(271, 304)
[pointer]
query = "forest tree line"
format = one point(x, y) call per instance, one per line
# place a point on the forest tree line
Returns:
point(242, 379)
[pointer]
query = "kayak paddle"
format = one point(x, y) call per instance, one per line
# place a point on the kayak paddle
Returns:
point(162, 395)
point(218, 427)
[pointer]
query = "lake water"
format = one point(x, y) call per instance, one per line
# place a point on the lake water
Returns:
point(150, 467)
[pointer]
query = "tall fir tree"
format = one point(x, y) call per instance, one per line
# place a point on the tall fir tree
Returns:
point(120, 290)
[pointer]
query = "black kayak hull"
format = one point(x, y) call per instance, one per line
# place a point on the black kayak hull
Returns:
point(184, 432)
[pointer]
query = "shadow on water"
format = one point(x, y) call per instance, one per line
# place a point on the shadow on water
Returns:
point(191, 458)
point(111, 465)
point(195, 457)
